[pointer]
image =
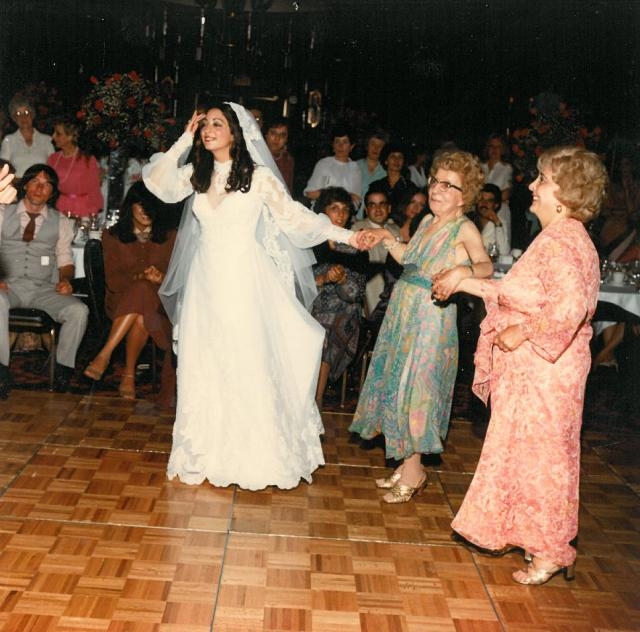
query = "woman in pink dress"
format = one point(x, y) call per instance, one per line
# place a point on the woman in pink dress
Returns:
point(78, 173)
point(533, 359)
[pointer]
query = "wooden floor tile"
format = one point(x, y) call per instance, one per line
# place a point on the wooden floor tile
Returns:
point(106, 577)
point(123, 487)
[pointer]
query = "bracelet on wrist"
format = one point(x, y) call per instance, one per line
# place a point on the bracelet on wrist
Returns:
point(389, 244)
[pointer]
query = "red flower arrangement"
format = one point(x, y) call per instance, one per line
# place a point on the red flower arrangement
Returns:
point(124, 111)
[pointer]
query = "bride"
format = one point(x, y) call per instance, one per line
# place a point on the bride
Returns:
point(248, 351)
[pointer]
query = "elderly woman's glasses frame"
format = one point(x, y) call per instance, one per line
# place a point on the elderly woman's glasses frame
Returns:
point(434, 182)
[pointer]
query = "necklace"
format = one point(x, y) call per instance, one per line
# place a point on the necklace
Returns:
point(66, 175)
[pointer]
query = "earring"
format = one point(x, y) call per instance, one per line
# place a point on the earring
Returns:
point(559, 209)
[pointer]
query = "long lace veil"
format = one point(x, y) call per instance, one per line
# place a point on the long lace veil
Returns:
point(294, 264)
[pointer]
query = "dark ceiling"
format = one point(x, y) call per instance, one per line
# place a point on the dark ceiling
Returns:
point(433, 68)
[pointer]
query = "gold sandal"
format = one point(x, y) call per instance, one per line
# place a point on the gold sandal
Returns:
point(94, 371)
point(390, 481)
point(536, 576)
point(127, 393)
point(404, 493)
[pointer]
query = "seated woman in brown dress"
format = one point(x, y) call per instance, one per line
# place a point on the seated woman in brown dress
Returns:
point(340, 279)
point(136, 255)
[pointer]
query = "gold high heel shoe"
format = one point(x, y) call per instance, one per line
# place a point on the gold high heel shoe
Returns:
point(126, 391)
point(404, 493)
point(536, 576)
point(390, 481)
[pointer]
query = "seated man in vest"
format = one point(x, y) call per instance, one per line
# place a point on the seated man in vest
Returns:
point(35, 242)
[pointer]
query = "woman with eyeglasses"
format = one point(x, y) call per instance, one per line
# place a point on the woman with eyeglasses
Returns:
point(26, 146)
point(409, 387)
point(533, 359)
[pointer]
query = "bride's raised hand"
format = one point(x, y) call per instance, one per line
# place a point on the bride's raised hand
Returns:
point(194, 122)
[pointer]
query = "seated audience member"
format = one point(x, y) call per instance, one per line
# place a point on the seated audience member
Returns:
point(491, 228)
point(277, 137)
point(396, 182)
point(340, 278)
point(337, 170)
point(417, 172)
point(377, 207)
point(498, 171)
point(35, 240)
point(136, 255)
point(410, 211)
point(78, 173)
point(26, 146)
point(370, 167)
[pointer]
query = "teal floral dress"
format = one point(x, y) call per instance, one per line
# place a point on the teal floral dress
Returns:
point(409, 387)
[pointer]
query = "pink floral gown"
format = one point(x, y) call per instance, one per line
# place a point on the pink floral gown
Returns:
point(525, 489)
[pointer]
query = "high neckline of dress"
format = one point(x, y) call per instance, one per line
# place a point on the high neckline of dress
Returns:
point(223, 167)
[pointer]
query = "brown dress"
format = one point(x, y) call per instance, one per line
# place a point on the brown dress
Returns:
point(126, 296)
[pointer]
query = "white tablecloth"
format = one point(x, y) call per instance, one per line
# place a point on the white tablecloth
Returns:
point(78, 260)
point(625, 296)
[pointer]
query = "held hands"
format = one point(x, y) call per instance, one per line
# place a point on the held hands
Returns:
point(510, 338)
point(370, 237)
point(194, 122)
point(8, 192)
point(446, 282)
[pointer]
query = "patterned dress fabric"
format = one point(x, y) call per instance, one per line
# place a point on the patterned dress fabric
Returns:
point(338, 306)
point(525, 489)
point(409, 387)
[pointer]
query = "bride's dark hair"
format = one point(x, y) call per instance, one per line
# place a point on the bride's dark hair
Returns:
point(242, 166)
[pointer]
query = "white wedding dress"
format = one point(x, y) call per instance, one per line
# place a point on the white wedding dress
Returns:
point(248, 351)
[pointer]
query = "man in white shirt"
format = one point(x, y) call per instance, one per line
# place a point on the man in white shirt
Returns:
point(491, 227)
point(370, 167)
point(337, 170)
point(377, 206)
point(35, 244)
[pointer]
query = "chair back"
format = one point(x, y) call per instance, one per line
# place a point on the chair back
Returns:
point(96, 287)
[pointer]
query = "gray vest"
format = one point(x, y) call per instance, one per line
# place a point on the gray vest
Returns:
point(35, 260)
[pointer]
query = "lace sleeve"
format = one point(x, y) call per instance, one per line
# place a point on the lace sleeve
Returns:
point(303, 227)
point(164, 178)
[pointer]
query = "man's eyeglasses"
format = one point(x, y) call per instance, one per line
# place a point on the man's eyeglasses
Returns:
point(25, 112)
point(434, 182)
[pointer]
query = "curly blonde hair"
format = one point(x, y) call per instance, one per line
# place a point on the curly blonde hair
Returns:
point(468, 167)
point(581, 178)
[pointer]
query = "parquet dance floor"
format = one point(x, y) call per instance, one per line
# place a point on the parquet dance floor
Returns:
point(94, 538)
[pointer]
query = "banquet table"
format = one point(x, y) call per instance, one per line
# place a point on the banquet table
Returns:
point(625, 296)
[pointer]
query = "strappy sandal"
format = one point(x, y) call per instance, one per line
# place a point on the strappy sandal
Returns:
point(127, 393)
point(532, 576)
point(95, 370)
point(404, 493)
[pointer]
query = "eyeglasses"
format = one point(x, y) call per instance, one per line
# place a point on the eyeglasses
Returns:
point(25, 112)
point(434, 182)
point(377, 204)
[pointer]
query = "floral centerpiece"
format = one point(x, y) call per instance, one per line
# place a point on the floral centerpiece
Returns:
point(553, 123)
point(124, 111)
